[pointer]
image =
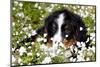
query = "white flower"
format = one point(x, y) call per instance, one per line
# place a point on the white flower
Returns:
point(58, 51)
point(90, 7)
point(87, 59)
point(83, 44)
point(21, 63)
point(83, 48)
point(43, 47)
point(74, 60)
point(42, 16)
point(88, 29)
point(21, 32)
point(45, 34)
point(25, 36)
point(39, 40)
point(32, 43)
point(92, 34)
point(75, 12)
point(20, 4)
point(94, 39)
point(74, 7)
point(29, 54)
point(51, 39)
point(87, 13)
point(25, 28)
point(80, 52)
point(45, 40)
point(81, 28)
point(29, 47)
point(34, 32)
point(52, 5)
point(22, 50)
point(67, 53)
point(83, 14)
point(71, 59)
point(87, 40)
point(46, 60)
point(82, 7)
point(93, 49)
point(49, 9)
point(16, 33)
point(17, 42)
point(78, 6)
point(39, 7)
point(13, 23)
point(29, 27)
point(21, 14)
point(13, 59)
point(25, 43)
point(13, 64)
point(18, 20)
point(16, 2)
point(36, 5)
point(38, 54)
point(29, 35)
point(27, 17)
point(80, 58)
point(13, 49)
point(78, 44)
point(19, 60)
point(52, 54)
point(29, 64)
point(90, 53)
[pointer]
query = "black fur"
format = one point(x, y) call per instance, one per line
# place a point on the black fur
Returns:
point(71, 26)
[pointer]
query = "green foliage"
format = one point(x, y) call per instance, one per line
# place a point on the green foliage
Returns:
point(28, 16)
point(58, 59)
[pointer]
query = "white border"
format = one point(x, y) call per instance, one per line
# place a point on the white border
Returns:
point(85, 2)
point(5, 33)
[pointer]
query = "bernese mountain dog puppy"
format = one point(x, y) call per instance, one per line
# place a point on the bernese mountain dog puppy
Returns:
point(61, 26)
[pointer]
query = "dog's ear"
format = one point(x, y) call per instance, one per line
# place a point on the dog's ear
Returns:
point(48, 20)
point(50, 24)
point(51, 18)
point(81, 31)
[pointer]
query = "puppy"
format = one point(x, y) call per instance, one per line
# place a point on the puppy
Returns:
point(61, 26)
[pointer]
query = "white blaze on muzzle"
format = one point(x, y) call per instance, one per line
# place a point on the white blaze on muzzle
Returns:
point(57, 37)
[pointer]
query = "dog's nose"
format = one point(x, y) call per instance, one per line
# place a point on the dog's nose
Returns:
point(57, 42)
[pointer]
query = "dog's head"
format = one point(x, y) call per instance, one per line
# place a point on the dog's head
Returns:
point(65, 25)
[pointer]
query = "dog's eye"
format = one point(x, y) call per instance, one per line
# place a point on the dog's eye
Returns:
point(54, 25)
point(66, 27)
point(67, 31)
